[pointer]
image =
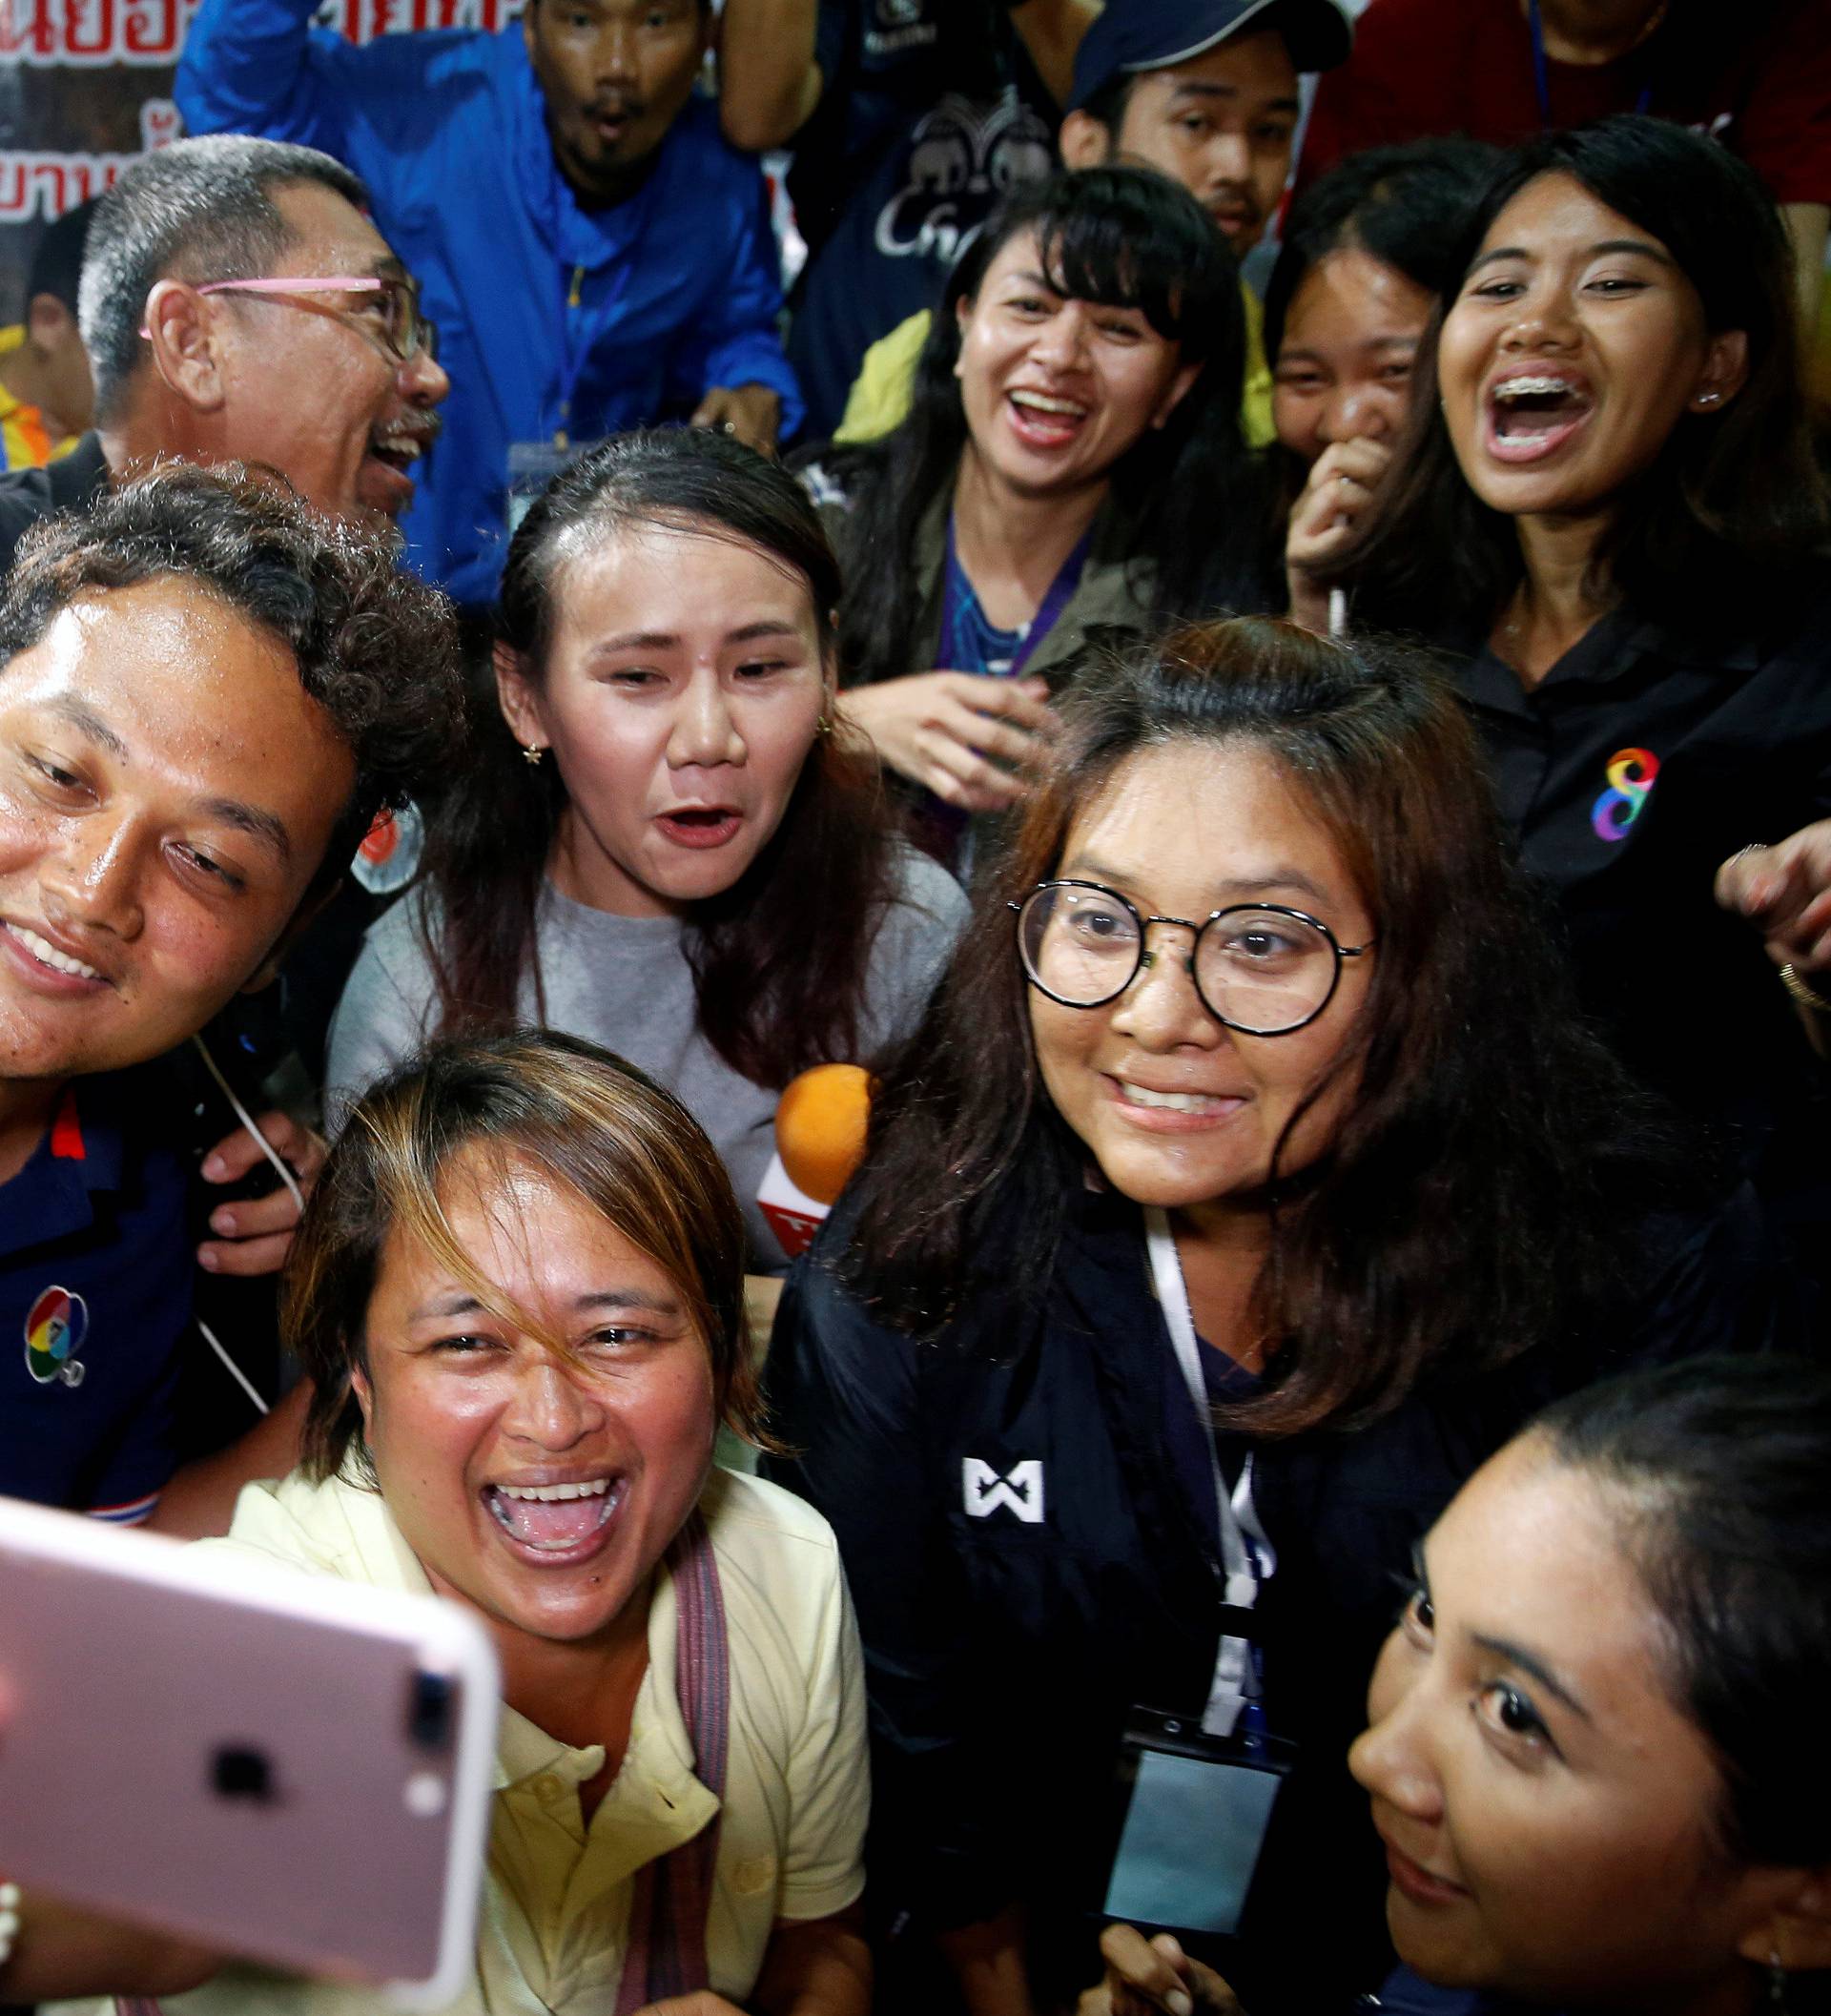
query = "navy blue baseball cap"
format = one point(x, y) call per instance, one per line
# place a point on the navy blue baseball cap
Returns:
point(1128, 37)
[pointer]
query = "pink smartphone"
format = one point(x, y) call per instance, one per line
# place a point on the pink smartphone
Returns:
point(284, 1767)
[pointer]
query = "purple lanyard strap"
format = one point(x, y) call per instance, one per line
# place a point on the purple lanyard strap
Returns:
point(1067, 580)
point(666, 1950)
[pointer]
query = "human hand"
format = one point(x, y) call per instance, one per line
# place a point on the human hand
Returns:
point(1322, 520)
point(255, 1234)
point(1784, 891)
point(954, 732)
point(702, 2001)
point(1148, 1977)
point(753, 413)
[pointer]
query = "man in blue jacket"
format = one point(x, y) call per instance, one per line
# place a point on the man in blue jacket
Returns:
point(594, 253)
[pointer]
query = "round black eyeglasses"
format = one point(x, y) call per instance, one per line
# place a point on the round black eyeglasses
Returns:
point(1261, 968)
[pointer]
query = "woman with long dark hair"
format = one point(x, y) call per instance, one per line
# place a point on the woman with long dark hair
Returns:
point(667, 846)
point(1253, 1078)
point(1365, 253)
point(1610, 516)
point(1072, 458)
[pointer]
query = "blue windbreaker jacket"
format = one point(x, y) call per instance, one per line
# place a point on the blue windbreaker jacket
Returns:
point(636, 310)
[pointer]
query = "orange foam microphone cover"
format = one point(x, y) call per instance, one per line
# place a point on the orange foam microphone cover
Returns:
point(820, 1128)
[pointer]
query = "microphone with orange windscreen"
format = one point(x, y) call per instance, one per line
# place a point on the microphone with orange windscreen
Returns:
point(819, 1140)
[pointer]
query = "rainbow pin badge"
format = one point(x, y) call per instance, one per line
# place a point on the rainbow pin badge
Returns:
point(55, 1327)
point(1631, 774)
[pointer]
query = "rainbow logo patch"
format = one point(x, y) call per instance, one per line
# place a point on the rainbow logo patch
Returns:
point(1630, 773)
point(55, 1327)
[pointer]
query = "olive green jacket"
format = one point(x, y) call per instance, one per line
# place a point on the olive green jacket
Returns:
point(1112, 590)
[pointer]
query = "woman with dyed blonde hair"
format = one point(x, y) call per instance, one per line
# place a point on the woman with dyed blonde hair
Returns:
point(519, 1291)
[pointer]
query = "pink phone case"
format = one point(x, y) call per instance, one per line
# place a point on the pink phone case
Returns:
point(286, 1767)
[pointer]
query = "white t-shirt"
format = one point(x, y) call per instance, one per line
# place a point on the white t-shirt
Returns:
point(556, 1897)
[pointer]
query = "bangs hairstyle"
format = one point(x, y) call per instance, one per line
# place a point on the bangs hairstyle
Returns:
point(1471, 1204)
point(774, 995)
point(1717, 1467)
point(1114, 246)
point(1125, 237)
point(465, 1112)
point(1732, 501)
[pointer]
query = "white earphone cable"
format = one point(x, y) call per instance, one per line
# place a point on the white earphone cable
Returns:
point(247, 1120)
point(236, 1373)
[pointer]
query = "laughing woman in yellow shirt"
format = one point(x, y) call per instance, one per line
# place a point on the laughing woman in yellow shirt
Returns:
point(522, 1268)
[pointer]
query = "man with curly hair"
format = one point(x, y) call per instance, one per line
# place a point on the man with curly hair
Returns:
point(207, 692)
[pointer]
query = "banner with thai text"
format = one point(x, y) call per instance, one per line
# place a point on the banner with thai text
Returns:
point(86, 85)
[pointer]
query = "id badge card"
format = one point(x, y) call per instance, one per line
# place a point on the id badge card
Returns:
point(1194, 1811)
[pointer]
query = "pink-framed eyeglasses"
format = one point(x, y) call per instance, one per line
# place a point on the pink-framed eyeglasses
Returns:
point(404, 330)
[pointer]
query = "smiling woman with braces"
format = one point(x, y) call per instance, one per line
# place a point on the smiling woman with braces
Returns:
point(1612, 521)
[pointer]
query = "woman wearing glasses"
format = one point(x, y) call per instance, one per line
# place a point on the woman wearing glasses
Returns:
point(1253, 1095)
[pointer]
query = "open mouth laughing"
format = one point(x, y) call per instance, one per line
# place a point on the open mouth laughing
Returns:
point(561, 1521)
point(1531, 414)
point(392, 457)
point(1045, 420)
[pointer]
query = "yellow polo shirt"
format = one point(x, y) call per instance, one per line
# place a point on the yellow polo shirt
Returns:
point(25, 441)
point(881, 394)
point(556, 1898)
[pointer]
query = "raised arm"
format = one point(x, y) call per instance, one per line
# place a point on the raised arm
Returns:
point(1052, 30)
point(259, 67)
point(770, 76)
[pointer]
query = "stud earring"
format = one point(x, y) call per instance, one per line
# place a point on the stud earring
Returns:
point(533, 753)
point(1710, 399)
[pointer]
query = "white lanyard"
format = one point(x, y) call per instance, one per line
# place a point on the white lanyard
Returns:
point(1234, 1510)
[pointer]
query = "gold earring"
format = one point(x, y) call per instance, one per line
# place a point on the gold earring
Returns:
point(533, 753)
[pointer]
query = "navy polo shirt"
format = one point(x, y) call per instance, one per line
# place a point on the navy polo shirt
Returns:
point(95, 1282)
point(1644, 759)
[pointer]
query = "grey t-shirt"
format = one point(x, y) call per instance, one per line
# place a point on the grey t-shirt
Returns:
point(624, 983)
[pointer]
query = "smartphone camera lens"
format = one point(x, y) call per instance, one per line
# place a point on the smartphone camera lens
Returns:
point(429, 1716)
point(236, 1772)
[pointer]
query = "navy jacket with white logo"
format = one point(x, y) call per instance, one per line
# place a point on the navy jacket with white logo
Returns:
point(1031, 1555)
